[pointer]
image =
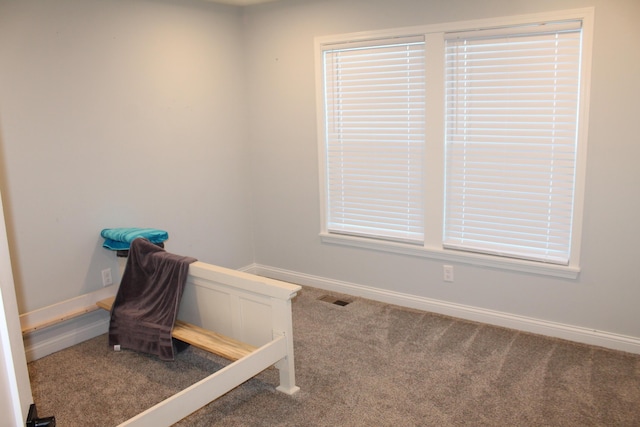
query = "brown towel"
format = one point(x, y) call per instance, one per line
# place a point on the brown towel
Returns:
point(147, 303)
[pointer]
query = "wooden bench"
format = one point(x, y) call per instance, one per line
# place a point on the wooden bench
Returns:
point(204, 339)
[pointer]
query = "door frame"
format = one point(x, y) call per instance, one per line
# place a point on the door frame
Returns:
point(15, 388)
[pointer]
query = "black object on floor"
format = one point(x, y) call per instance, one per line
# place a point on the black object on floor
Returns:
point(34, 421)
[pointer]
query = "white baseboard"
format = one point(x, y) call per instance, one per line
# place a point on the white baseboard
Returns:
point(50, 340)
point(61, 325)
point(538, 326)
point(44, 343)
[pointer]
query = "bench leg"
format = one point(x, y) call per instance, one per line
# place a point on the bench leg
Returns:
point(283, 326)
point(287, 370)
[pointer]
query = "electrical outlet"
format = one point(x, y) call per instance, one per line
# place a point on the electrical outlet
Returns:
point(106, 277)
point(447, 273)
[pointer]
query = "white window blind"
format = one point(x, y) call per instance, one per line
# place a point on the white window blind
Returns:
point(374, 131)
point(511, 135)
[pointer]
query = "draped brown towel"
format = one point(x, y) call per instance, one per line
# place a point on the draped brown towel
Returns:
point(147, 302)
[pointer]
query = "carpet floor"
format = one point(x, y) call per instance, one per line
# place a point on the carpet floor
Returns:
point(363, 364)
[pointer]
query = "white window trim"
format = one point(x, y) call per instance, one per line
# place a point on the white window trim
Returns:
point(432, 247)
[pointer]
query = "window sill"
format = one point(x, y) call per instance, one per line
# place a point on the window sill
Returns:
point(566, 272)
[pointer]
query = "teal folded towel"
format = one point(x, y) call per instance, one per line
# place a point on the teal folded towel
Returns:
point(119, 239)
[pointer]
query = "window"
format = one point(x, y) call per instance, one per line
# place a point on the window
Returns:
point(462, 142)
point(374, 103)
point(511, 125)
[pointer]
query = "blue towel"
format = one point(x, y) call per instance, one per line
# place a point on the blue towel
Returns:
point(119, 239)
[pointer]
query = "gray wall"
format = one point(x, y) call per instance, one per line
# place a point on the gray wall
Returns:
point(120, 113)
point(285, 183)
point(200, 119)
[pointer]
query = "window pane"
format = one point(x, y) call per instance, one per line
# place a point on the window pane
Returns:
point(374, 118)
point(511, 132)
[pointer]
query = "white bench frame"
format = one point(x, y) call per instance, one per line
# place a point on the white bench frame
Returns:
point(248, 308)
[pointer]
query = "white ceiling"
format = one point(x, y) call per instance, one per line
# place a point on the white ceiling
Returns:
point(241, 2)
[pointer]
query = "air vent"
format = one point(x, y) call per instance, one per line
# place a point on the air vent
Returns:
point(333, 300)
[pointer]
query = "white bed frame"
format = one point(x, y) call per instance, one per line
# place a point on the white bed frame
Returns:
point(248, 308)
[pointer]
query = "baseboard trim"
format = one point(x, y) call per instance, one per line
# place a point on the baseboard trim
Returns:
point(40, 345)
point(538, 326)
point(61, 325)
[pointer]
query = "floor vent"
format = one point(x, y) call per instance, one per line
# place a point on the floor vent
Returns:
point(334, 300)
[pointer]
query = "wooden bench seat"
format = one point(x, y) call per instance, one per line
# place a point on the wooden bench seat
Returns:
point(204, 339)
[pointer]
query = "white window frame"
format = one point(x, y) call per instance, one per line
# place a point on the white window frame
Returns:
point(434, 148)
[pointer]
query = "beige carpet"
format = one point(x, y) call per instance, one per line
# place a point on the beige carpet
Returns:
point(363, 364)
